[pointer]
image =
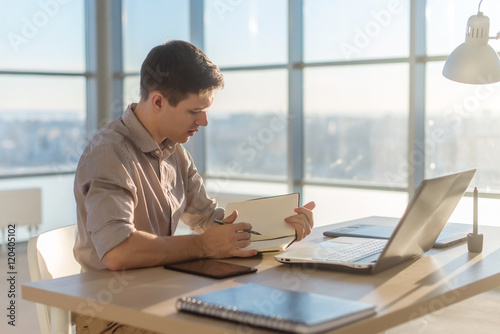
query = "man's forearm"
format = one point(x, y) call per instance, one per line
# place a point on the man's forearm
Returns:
point(143, 249)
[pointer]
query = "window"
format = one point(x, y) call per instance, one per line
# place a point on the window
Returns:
point(356, 29)
point(250, 32)
point(43, 112)
point(247, 136)
point(144, 27)
point(43, 130)
point(462, 128)
point(148, 25)
point(248, 121)
point(345, 100)
point(356, 130)
point(43, 36)
point(447, 22)
point(43, 115)
point(461, 120)
point(356, 113)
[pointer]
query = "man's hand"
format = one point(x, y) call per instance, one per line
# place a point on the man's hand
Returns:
point(143, 249)
point(303, 221)
point(222, 241)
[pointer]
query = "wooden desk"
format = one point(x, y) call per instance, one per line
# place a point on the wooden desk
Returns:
point(145, 298)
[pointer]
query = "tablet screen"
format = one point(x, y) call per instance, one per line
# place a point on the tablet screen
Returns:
point(211, 268)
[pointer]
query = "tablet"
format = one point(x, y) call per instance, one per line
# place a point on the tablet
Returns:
point(211, 268)
point(452, 233)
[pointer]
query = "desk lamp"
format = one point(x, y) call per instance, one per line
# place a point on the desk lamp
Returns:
point(474, 62)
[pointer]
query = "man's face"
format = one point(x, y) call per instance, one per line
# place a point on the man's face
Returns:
point(181, 122)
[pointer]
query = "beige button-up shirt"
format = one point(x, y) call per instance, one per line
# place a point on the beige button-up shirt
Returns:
point(126, 182)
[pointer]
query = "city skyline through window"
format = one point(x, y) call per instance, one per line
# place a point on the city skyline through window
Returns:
point(355, 85)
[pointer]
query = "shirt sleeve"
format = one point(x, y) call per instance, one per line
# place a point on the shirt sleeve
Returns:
point(109, 196)
point(201, 209)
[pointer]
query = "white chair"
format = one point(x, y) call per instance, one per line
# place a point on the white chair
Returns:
point(50, 255)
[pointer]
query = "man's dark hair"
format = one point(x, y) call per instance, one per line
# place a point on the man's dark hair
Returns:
point(176, 69)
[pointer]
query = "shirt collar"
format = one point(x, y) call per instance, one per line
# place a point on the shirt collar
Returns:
point(142, 138)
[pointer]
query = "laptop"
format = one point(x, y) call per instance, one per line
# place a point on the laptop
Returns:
point(425, 216)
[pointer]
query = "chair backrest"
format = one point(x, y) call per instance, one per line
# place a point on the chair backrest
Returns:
point(50, 255)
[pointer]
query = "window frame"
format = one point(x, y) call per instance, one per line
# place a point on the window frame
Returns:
point(104, 68)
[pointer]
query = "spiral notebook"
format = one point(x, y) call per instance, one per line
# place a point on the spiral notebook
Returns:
point(284, 310)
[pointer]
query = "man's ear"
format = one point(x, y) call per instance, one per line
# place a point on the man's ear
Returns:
point(157, 100)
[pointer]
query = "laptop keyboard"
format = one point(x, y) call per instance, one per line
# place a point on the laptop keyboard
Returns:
point(355, 252)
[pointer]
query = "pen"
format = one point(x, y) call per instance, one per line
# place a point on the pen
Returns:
point(220, 222)
point(475, 220)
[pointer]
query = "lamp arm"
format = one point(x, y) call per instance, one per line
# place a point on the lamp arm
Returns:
point(495, 37)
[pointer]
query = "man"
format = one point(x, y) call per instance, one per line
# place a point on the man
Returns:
point(134, 181)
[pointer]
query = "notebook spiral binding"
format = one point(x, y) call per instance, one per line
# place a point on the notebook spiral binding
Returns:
point(193, 305)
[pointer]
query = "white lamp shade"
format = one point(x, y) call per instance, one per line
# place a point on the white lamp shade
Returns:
point(473, 64)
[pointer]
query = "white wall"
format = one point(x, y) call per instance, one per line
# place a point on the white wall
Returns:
point(58, 202)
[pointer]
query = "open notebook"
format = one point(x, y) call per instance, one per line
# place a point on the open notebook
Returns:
point(267, 217)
